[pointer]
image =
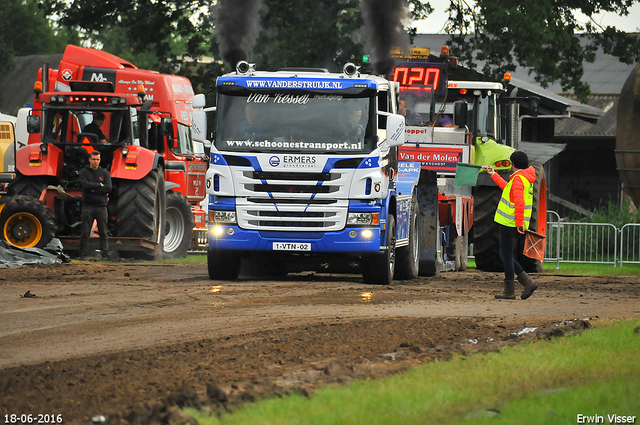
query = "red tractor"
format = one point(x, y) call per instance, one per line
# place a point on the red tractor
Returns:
point(169, 99)
point(47, 168)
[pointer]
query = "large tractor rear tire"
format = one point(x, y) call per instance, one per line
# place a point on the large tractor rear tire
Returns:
point(28, 186)
point(429, 239)
point(26, 222)
point(179, 226)
point(140, 213)
point(486, 245)
point(485, 230)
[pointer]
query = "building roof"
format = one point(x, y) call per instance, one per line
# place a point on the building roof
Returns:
point(555, 104)
point(605, 127)
point(541, 152)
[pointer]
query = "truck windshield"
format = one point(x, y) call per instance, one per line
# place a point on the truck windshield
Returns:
point(295, 122)
point(481, 112)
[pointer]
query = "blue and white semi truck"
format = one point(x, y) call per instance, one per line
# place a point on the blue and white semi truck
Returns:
point(304, 175)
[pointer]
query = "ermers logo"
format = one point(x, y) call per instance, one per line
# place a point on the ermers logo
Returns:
point(299, 161)
point(274, 161)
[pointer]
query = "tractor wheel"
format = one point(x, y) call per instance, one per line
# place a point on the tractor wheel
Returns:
point(486, 245)
point(430, 238)
point(140, 213)
point(538, 221)
point(223, 265)
point(27, 222)
point(178, 227)
point(28, 186)
point(407, 263)
point(379, 269)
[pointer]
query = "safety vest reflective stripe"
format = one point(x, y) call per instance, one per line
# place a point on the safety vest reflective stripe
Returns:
point(506, 211)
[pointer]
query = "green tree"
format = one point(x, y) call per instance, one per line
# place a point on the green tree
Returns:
point(321, 33)
point(540, 35)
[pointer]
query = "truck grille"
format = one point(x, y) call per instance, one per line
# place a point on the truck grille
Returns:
point(291, 201)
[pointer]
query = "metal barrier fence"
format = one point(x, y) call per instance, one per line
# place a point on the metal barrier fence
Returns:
point(580, 242)
point(595, 243)
point(629, 244)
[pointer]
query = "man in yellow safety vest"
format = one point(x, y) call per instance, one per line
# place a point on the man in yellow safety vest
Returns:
point(513, 216)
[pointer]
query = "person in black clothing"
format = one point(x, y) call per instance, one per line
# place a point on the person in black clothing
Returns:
point(96, 185)
point(95, 127)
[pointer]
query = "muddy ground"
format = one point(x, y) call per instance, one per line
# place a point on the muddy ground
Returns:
point(130, 341)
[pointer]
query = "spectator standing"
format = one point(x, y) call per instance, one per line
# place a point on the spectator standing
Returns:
point(96, 185)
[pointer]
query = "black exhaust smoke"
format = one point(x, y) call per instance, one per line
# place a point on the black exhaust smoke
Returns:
point(383, 30)
point(237, 28)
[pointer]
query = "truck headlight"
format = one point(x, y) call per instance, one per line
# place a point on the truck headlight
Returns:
point(362, 219)
point(222, 217)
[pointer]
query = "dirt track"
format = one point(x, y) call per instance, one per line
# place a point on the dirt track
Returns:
point(128, 341)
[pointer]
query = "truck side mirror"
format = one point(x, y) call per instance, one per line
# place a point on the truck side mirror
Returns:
point(534, 103)
point(33, 124)
point(395, 130)
point(199, 101)
point(166, 127)
point(460, 113)
point(199, 125)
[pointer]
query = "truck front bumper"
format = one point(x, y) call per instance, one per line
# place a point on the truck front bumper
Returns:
point(353, 240)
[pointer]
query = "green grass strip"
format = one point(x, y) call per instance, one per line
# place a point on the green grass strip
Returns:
point(540, 382)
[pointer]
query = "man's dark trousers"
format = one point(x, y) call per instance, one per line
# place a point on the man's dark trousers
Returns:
point(90, 213)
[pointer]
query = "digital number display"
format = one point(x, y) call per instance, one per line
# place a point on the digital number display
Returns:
point(421, 76)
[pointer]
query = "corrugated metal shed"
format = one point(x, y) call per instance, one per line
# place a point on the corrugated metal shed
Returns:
point(541, 152)
point(605, 127)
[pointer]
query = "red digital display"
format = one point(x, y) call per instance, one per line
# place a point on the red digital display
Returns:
point(417, 75)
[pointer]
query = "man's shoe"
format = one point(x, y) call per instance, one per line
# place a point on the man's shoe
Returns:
point(509, 292)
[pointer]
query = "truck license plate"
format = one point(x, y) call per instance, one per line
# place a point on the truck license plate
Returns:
point(291, 246)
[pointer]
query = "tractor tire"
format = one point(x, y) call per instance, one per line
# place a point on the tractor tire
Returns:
point(486, 245)
point(379, 269)
point(538, 221)
point(141, 206)
point(28, 186)
point(223, 265)
point(408, 257)
point(27, 222)
point(430, 238)
point(178, 226)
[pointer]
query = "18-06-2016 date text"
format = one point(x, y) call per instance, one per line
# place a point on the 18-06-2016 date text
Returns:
point(30, 418)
